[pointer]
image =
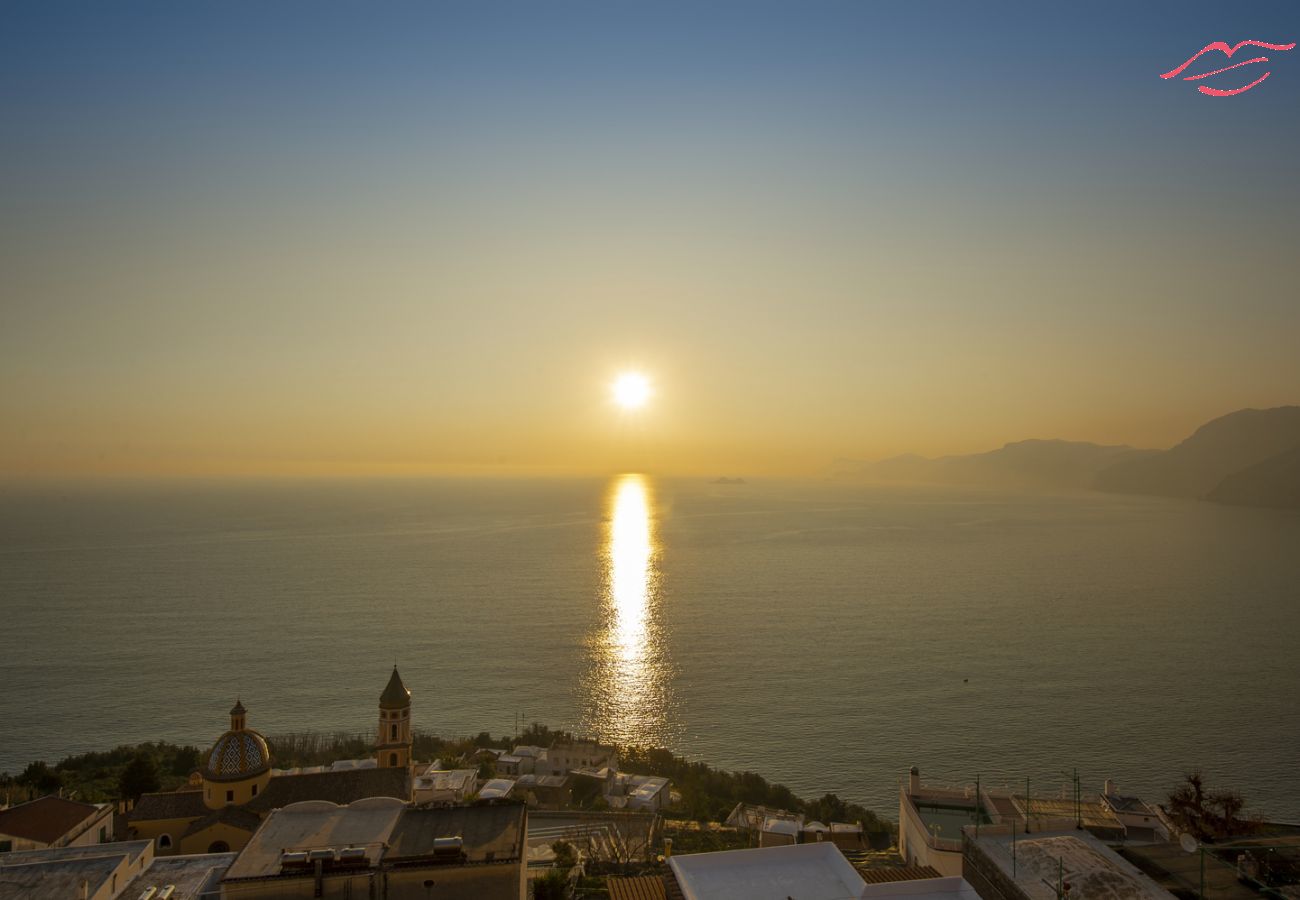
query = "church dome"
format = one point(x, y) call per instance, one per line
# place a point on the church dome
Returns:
point(237, 755)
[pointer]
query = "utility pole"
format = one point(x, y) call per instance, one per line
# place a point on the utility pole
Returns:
point(1078, 801)
point(1027, 806)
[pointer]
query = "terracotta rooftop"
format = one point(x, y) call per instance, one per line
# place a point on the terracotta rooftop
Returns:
point(898, 873)
point(45, 820)
point(234, 816)
point(170, 805)
point(493, 832)
point(342, 787)
point(640, 887)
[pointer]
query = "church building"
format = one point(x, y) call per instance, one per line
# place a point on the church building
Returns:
point(236, 787)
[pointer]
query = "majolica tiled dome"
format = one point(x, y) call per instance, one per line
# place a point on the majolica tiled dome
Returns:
point(236, 755)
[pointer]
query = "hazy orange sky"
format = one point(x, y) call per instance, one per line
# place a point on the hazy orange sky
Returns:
point(428, 241)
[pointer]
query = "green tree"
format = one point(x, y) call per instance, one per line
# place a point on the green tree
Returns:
point(565, 856)
point(139, 777)
point(1209, 816)
point(41, 777)
point(554, 885)
point(185, 761)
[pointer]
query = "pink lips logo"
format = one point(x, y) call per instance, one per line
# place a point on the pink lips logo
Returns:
point(1227, 51)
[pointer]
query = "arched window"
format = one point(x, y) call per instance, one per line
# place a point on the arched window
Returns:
point(392, 759)
point(164, 841)
point(218, 847)
point(394, 732)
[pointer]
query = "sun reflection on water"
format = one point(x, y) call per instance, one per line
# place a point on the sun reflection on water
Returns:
point(629, 681)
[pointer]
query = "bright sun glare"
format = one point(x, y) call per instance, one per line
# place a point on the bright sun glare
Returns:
point(631, 390)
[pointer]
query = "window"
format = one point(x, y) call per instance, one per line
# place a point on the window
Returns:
point(392, 759)
point(103, 834)
point(164, 841)
point(394, 734)
point(218, 847)
point(254, 794)
point(230, 796)
point(6, 846)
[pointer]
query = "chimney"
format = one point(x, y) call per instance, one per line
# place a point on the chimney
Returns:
point(914, 781)
point(1109, 787)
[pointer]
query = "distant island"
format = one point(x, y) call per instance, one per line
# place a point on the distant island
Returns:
point(725, 480)
point(1248, 458)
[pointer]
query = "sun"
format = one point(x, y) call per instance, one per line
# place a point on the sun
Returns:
point(631, 390)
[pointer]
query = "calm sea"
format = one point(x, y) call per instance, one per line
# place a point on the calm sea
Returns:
point(824, 635)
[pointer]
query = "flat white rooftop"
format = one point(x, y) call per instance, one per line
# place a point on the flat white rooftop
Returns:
point(496, 788)
point(446, 779)
point(1093, 870)
point(317, 825)
point(952, 888)
point(807, 871)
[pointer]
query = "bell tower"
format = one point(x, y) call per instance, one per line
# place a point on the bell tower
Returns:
point(393, 749)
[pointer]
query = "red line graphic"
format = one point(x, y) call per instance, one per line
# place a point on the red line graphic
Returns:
point(1225, 68)
point(1215, 92)
point(1227, 51)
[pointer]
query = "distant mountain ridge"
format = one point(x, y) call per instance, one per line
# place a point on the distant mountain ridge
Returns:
point(1250, 457)
point(1215, 452)
point(1030, 463)
point(1274, 482)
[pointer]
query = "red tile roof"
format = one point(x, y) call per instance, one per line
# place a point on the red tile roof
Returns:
point(641, 887)
point(898, 873)
point(45, 820)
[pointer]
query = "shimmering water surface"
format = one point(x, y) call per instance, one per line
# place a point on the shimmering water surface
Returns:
point(827, 636)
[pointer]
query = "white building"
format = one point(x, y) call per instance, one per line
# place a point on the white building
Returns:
point(1005, 864)
point(641, 792)
point(54, 822)
point(444, 786)
point(807, 871)
point(112, 871)
point(778, 832)
point(564, 756)
point(496, 789)
point(1141, 821)
point(950, 888)
point(751, 816)
point(523, 760)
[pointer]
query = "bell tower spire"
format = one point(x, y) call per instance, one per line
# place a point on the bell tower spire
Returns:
point(393, 749)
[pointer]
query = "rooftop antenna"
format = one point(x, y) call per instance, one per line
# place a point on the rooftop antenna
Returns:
point(1190, 845)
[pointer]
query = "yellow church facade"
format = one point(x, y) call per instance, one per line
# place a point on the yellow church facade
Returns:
point(235, 788)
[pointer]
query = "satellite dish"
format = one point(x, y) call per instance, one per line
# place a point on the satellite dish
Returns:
point(1188, 843)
